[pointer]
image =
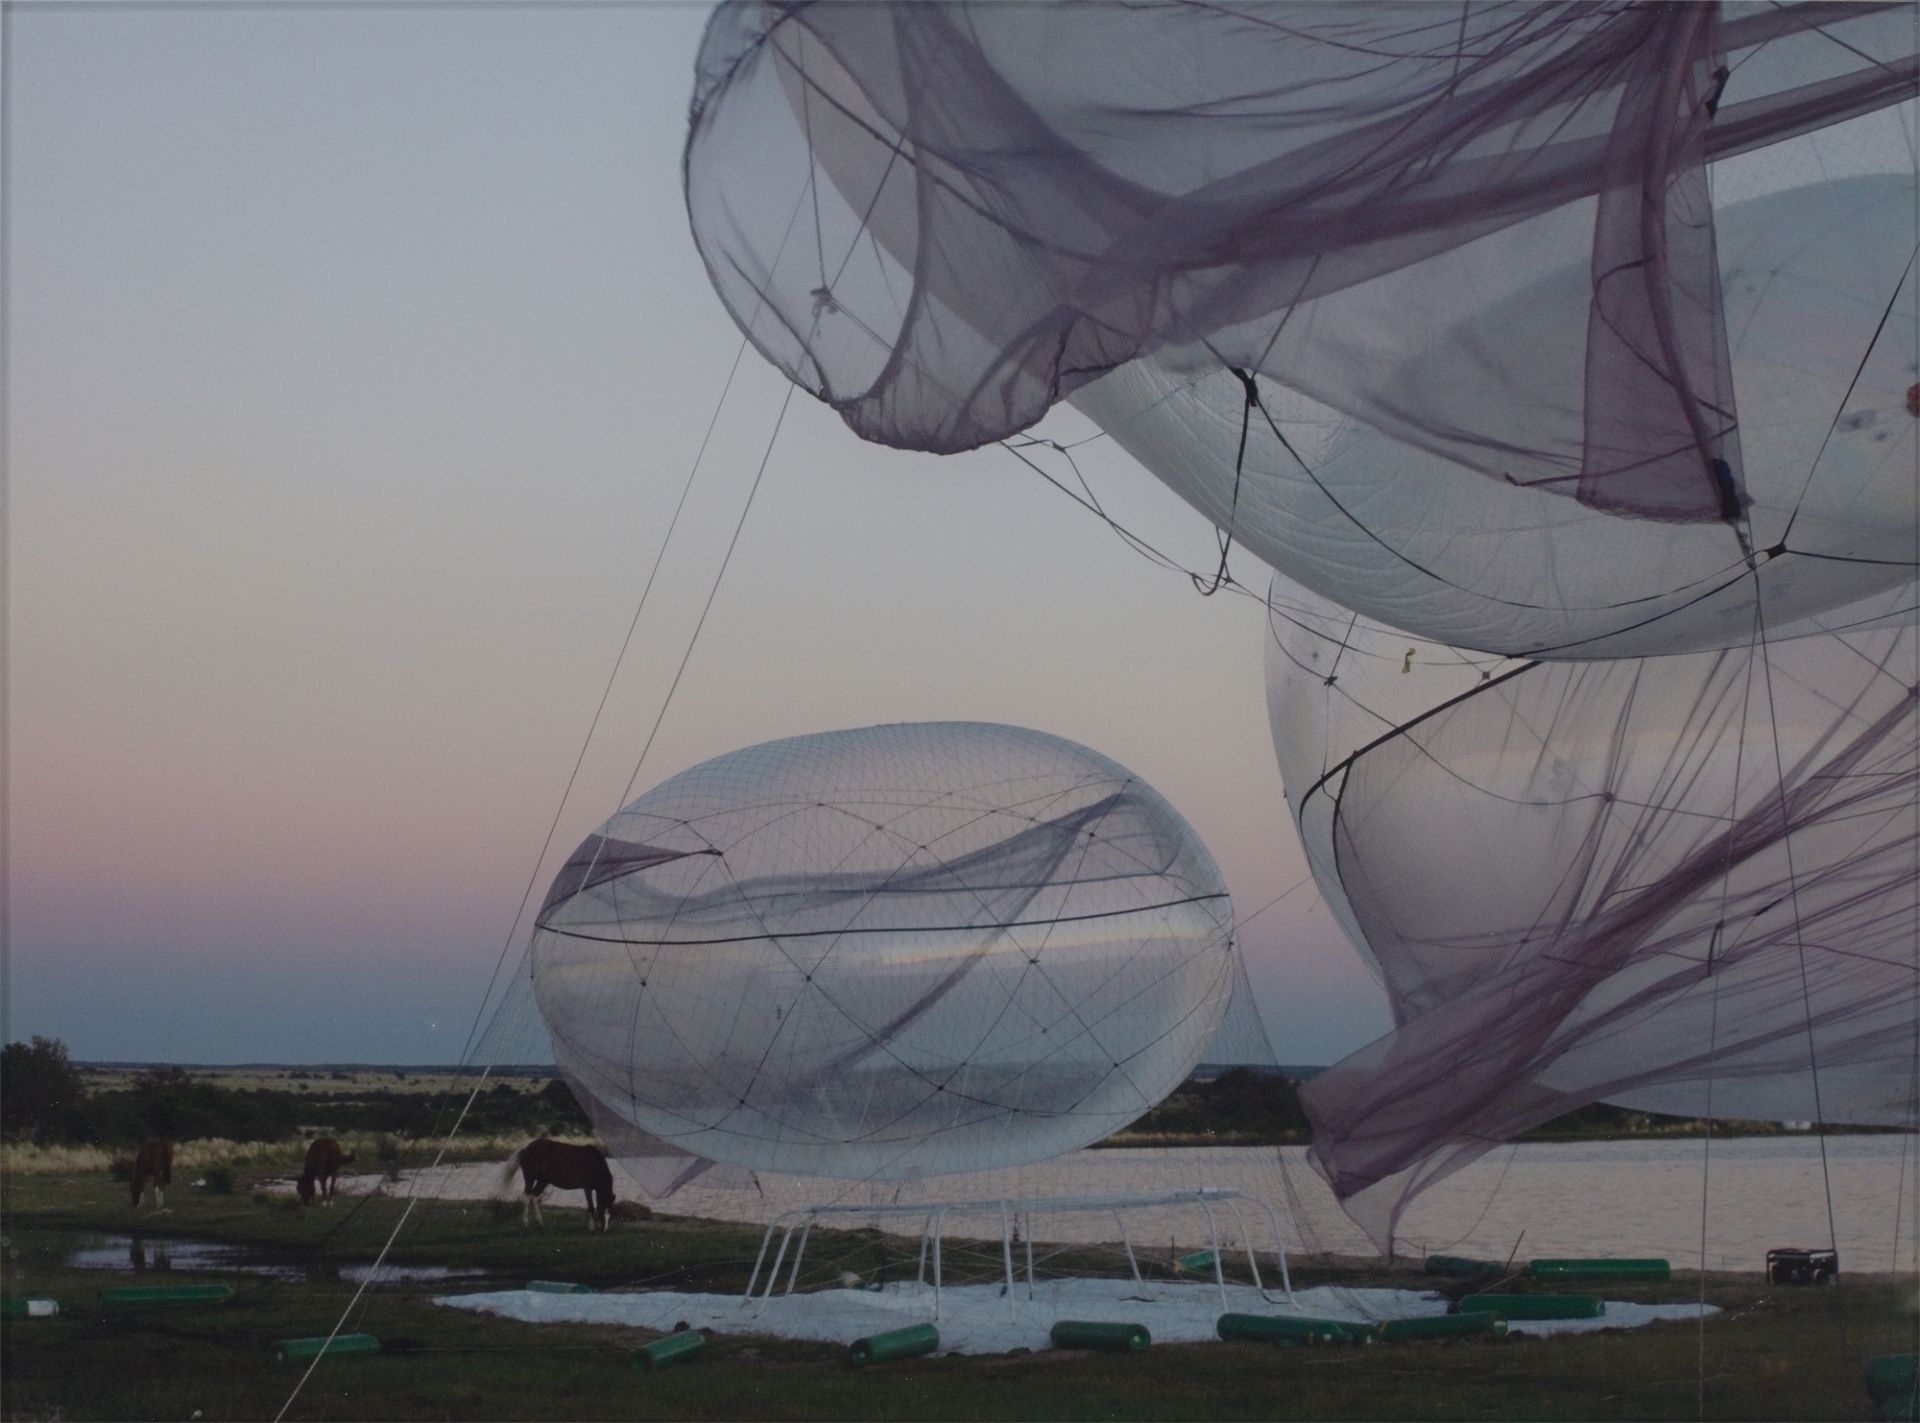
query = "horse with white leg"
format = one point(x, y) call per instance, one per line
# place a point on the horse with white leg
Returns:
point(153, 1165)
point(544, 1162)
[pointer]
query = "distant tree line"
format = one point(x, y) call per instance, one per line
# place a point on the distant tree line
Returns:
point(1240, 1107)
point(44, 1099)
point(1248, 1107)
point(41, 1093)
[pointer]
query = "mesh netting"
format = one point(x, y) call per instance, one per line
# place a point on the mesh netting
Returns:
point(1583, 333)
point(1683, 884)
point(1820, 310)
point(883, 954)
point(1496, 237)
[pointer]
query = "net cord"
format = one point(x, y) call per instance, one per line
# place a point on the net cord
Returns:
point(546, 845)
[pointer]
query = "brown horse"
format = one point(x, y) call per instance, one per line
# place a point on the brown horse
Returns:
point(153, 1162)
point(324, 1161)
point(543, 1163)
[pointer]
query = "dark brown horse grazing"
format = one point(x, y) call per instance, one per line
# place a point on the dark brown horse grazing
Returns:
point(324, 1161)
point(153, 1162)
point(545, 1163)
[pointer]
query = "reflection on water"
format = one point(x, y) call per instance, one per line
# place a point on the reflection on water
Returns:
point(162, 1256)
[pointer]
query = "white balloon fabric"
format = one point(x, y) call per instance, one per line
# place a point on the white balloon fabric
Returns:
point(1819, 294)
point(1576, 341)
point(1683, 884)
point(1592, 365)
point(885, 953)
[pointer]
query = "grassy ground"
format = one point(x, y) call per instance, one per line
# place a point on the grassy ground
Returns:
point(1773, 1354)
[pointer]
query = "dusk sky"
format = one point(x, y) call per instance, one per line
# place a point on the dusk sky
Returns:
point(358, 358)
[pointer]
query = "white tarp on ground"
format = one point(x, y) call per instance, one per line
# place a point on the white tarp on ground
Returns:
point(977, 1319)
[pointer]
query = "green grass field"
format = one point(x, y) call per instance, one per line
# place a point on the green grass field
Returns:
point(1775, 1353)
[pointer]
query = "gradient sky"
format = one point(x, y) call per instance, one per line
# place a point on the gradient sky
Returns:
point(357, 361)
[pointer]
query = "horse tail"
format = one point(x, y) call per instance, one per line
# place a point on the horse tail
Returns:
point(506, 1176)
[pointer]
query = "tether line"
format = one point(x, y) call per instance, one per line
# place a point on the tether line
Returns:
point(533, 879)
point(852, 929)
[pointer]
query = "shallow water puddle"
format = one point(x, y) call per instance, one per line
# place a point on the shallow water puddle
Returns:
point(157, 1255)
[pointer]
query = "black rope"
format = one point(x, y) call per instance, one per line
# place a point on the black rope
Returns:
point(1090, 502)
point(975, 928)
point(1221, 578)
point(1806, 990)
point(1713, 1028)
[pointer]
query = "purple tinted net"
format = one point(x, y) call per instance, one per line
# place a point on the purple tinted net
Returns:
point(941, 219)
point(1684, 884)
point(1580, 331)
point(600, 858)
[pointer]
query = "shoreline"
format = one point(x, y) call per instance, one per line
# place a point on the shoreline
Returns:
point(1769, 1353)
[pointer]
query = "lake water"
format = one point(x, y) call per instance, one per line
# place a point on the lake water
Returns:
point(1636, 1197)
point(1645, 1197)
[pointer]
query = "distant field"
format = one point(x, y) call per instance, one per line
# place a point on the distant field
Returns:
point(108, 1108)
point(252, 1077)
point(1219, 1105)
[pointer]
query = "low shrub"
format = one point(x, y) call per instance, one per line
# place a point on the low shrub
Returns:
point(386, 1154)
point(26, 1160)
point(208, 1152)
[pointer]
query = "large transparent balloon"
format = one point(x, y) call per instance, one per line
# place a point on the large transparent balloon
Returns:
point(1818, 288)
point(1583, 335)
point(1551, 329)
point(885, 953)
point(1685, 884)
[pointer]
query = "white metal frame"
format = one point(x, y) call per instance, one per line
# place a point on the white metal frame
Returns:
point(935, 1214)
